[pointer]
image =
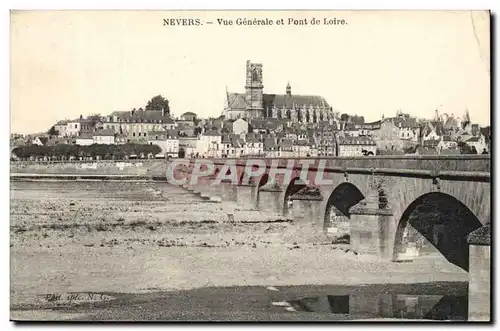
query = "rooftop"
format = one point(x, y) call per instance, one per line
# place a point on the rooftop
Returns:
point(105, 132)
point(85, 136)
point(356, 141)
point(139, 116)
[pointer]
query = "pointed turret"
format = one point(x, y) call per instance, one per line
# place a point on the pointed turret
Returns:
point(466, 119)
point(466, 116)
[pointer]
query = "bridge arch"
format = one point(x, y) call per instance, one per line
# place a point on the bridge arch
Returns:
point(262, 181)
point(240, 180)
point(337, 216)
point(295, 185)
point(436, 220)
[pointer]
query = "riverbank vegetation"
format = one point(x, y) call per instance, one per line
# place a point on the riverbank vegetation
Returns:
point(78, 152)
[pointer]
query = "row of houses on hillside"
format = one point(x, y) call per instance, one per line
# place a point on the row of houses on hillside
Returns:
point(214, 144)
point(134, 125)
point(190, 136)
point(389, 134)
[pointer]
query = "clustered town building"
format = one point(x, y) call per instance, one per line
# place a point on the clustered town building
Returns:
point(272, 125)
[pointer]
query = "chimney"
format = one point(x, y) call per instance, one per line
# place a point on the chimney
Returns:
point(288, 90)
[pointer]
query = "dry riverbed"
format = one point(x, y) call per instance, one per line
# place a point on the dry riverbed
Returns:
point(132, 237)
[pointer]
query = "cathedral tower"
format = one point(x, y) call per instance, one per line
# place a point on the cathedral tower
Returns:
point(254, 90)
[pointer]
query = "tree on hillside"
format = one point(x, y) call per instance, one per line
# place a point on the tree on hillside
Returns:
point(466, 149)
point(410, 150)
point(158, 103)
point(64, 152)
point(52, 131)
point(344, 117)
point(358, 119)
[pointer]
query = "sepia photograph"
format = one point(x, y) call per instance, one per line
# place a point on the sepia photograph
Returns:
point(250, 166)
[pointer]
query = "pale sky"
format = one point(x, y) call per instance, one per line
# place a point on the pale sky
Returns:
point(67, 63)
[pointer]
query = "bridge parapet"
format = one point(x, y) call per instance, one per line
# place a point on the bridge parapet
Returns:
point(422, 162)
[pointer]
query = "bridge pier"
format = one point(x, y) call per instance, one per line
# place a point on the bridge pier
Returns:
point(370, 230)
point(307, 208)
point(269, 199)
point(479, 274)
point(246, 195)
point(201, 186)
point(227, 191)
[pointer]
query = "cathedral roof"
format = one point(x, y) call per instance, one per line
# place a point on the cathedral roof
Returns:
point(238, 101)
point(280, 100)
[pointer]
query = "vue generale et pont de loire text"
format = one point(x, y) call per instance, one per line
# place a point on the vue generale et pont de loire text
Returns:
point(254, 21)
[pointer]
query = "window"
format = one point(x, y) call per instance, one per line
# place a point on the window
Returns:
point(76, 126)
point(133, 134)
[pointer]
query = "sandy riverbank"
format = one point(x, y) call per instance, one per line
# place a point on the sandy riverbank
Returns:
point(134, 237)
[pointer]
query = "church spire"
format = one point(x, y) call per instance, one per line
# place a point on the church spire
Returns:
point(466, 116)
point(465, 119)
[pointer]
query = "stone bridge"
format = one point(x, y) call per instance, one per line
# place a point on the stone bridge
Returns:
point(391, 206)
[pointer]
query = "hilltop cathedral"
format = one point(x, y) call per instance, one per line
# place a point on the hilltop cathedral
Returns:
point(256, 104)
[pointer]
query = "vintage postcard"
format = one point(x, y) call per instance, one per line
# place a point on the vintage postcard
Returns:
point(250, 166)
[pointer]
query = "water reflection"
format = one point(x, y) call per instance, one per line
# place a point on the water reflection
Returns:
point(400, 306)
